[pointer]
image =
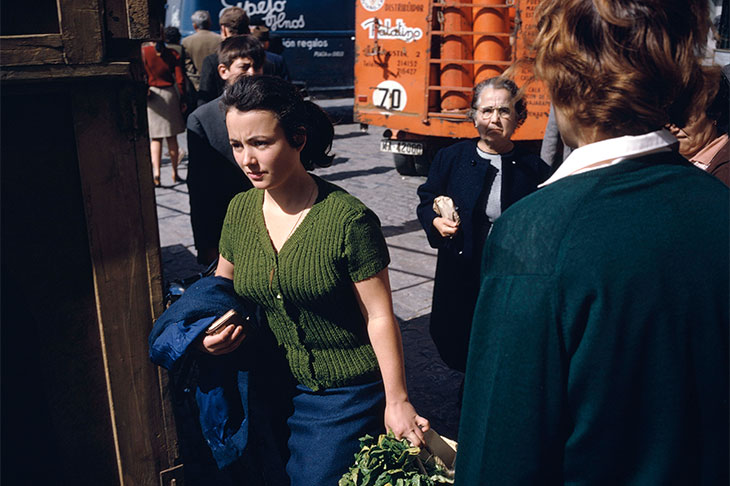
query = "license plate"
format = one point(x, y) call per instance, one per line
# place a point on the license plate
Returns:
point(398, 147)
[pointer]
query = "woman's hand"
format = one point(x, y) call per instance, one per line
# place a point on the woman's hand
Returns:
point(223, 342)
point(402, 419)
point(445, 227)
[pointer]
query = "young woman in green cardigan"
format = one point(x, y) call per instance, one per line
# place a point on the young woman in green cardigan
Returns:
point(314, 258)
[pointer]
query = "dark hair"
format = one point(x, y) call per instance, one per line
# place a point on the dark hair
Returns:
point(500, 82)
point(715, 97)
point(201, 19)
point(172, 34)
point(261, 32)
point(238, 46)
point(623, 66)
point(296, 116)
point(235, 20)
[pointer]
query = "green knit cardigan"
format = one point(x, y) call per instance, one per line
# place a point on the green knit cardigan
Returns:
point(306, 290)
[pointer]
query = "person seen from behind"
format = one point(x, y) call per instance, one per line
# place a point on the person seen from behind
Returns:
point(599, 347)
point(199, 45)
point(164, 106)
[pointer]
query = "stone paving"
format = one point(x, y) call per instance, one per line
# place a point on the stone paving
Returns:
point(369, 175)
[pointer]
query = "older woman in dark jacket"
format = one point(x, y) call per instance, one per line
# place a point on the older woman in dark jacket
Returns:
point(483, 177)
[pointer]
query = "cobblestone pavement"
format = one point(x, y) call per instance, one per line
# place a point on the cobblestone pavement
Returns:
point(370, 176)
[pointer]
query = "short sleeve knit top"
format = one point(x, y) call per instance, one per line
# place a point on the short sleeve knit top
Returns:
point(306, 290)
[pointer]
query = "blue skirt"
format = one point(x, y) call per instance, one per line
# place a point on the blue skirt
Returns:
point(325, 428)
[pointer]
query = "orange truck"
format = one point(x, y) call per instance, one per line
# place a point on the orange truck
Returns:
point(416, 62)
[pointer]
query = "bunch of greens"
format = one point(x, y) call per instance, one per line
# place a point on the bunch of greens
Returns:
point(392, 462)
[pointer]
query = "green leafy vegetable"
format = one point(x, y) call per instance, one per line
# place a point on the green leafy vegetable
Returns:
point(392, 462)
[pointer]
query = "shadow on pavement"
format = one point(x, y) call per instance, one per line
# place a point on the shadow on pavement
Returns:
point(351, 135)
point(432, 386)
point(178, 263)
point(339, 160)
point(355, 173)
point(407, 227)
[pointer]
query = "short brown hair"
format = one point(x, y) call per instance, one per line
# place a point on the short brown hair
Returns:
point(623, 66)
point(235, 20)
point(239, 46)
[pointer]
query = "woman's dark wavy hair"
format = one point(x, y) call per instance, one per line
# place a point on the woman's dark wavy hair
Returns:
point(500, 82)
point(623, 66)
point(296, 116)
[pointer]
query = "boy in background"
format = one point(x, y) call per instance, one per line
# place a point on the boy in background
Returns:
point(213, 175)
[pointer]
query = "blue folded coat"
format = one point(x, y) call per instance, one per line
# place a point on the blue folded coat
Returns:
point(222, 381)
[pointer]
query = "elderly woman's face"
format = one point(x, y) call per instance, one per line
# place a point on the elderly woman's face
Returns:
point(495, 117)
point(698, 132)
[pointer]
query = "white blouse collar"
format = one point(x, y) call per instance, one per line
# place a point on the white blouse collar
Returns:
point(609, 152)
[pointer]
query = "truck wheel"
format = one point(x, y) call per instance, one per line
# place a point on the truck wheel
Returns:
point(404, 164)
point(422, 163)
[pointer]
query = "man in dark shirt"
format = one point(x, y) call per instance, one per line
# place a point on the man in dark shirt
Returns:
point(213, 175)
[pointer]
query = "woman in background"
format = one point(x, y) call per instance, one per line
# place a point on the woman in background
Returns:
point(483, 176)
point(165, 83)
point(704, 139)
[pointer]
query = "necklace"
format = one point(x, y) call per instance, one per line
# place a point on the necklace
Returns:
point(301, 213)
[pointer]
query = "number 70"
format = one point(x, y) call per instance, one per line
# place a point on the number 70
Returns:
point(390, 99)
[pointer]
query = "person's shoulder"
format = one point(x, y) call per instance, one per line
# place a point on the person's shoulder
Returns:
point(274, 57)
point(211, 59)
point(173, 53)
point(207, 113)
point(522, 153)
point(533, 229)
point(209, 34)
point(462, 146)
point(148, 50)
point(338, 199)
point(242, 202)
point(525, 157)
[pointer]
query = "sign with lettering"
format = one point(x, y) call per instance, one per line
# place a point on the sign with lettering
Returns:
point(272, 12)
point(384, 29)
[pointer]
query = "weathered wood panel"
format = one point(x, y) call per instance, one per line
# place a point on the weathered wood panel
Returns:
point(28, 50)
point(82, 30)
point(117, 185)
point(65, 72)
point(115, 14)
point(145, 18)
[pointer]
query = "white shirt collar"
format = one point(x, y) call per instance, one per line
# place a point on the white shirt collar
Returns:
point(609, 152)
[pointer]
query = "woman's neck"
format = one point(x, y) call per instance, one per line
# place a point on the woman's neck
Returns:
point(496, 147)
point(293, 195)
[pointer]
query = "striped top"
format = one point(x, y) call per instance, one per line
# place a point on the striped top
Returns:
point(306, 290)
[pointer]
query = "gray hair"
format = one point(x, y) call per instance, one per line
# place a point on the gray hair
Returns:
point(500, 82)
point(201, 18)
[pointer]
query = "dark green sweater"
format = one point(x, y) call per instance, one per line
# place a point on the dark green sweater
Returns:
point(599, 349)
point(307, 289)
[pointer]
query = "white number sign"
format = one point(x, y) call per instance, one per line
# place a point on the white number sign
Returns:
point(390, 95)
